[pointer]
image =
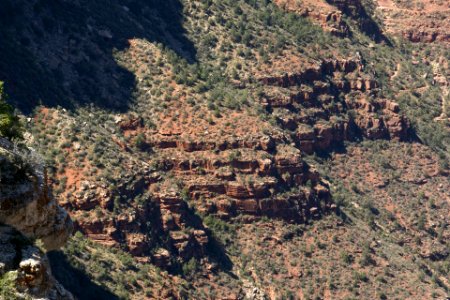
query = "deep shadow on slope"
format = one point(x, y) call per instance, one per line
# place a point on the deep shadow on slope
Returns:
point(356, 11)
point(215, 250)
point(59, 52)
point(75, 280)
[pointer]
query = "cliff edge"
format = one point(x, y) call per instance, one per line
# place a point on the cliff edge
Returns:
point(28, 212)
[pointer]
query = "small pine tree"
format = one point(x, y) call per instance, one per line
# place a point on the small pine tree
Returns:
point(141, 143)
point(10, 126)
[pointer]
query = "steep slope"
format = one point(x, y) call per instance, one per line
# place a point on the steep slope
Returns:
point(199, 136)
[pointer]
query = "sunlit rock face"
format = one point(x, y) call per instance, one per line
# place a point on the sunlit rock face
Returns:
point(26, 202)
point(28, 212)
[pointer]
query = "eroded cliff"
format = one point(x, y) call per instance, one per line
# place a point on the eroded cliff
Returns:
point(28, 212)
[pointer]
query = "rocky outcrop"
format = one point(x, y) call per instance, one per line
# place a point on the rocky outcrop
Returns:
point(380, 120)
point(388, 124)
point(317, 72)
point(425, 36)
point(28, 212)
point(247, 183)
point(25, 270)
point(187, 237)
point(355, 10)
point(329, 14)
point(27, 203)
point(323, 14)
point(307, 103)
point(257, 142)
point(422, 21)
point(163, 220)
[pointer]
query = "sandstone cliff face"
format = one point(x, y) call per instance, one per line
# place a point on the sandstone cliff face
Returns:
point(307, 102)
point(28, 212)
point(28, 206)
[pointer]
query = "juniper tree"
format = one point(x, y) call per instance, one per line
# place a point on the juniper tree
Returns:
point(10, 126)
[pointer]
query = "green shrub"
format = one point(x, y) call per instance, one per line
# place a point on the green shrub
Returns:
point(7, 283)
point(190, 267)
point(346, 258)
point(10, 126)
point(141, 142)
